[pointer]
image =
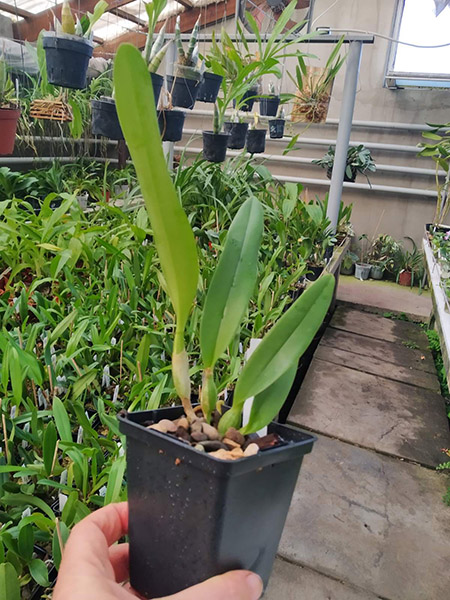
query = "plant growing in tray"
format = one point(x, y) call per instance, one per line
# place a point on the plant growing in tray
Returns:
point(200, 474)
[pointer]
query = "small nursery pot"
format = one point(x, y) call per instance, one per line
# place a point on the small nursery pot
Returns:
point(238, 134)
point(215, 146)
point(376, 272)
point(268, 107)
point(256, 141)
point(315, 272)
point(362, 271)
point(209, 87)
point(405, 278)
point(193, 516)
point(276, 128)
point(8, 127)
point(347, 270)
point(171, 125)
point(248, 99)
point(184, 91)
point(157, 83)
point(67, 58)
point(105, 120)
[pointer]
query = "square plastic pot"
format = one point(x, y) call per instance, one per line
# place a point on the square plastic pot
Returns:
point(193, 516)
point(362, 271)
point(105, 120)
point(238, 134)
point(276, 128)
point(209, 87)
point(268, 107)
point(215, 146)
point(67, 58)
point(256, 141)
point(171, 125)
point(184, 91)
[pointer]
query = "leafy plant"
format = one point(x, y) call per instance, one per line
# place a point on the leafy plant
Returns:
point(278, 353)
point(359, 160)
point(187, 60)
point(411, 262)
point(155, 50)
point(6, 85)
point(81, 27)
point(438, 149)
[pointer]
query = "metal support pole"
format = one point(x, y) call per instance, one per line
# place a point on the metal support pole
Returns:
point(170, 61)
point(344, 131)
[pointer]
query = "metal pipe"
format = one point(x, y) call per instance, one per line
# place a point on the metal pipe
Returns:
point(331, 142)
point(344, 132)
point(44, 138)
point(27, 160)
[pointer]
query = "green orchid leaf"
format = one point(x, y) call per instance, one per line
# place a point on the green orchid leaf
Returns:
point(39, 572)
point(233, 282)
point(62, 420)
point(9, 582)
point(115, 480)
point(282, 347)
point(48, 447)
point(174, 239)
point(268, 403)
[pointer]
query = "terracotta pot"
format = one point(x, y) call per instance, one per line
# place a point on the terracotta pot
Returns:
point(404, 278)
point(8, 126)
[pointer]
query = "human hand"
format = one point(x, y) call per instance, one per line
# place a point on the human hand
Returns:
point(93, 566)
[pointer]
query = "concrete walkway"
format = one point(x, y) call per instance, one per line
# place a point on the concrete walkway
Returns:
point(367, 519)
point(385, 296)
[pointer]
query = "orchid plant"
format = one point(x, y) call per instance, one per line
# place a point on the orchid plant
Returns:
point(269, 372)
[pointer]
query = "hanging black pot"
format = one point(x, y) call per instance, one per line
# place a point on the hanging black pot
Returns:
point(193, 516)
point(67, 58)
point(276, 128)
point(256, 141)
point(209, 87)
point(268, 107)
point(215, 146)
point(184, 91)
point(346, 177)
point(105, 120)
point(238, 134)
point(157, 83)
point(171, 125)
point(248, 99)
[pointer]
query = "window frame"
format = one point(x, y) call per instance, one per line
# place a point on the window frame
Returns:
point(404, 79)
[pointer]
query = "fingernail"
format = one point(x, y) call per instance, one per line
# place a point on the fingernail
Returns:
point(255, 583)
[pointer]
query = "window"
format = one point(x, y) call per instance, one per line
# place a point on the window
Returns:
point(416, 22)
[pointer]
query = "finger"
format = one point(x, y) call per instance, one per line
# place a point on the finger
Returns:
point(235, 585)
point(89, 540)
point(118, 556)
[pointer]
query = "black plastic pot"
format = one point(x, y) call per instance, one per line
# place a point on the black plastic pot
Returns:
point(268, 107)
point(67, 59)
point(157, 83)
point(276, 128)
point(248, 99)
point(171, 125)
point(193, 516)
point(315, 272)
point(105, 120)
point(238, 134)
point(184, 91)
point(209, 87)
point(215, 146)
point(256, 141)
point(346, 177)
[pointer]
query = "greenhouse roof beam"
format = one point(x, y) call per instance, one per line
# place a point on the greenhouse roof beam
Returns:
point(123, 14)
point(30, 27)
point(185, 3)
point(17, 11)
point(213, 13)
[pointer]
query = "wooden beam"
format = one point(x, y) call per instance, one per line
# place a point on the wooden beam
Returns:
point(12, 10)
point(30, 28)
point(185, 3)
point(211, 14)
point(123, 14)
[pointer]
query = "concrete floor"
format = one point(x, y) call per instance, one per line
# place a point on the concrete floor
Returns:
point(367, 520)
point(385, 295)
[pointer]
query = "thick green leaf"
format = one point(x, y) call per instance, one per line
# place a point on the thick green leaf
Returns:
point(25, 542)
point(39, 572)
point(232, 283)
point(48, 447)
point(24, 500)
point(83, 383)
point(62, 420)
point(62, 326)
point(115, 480)
point(286, 341)
point(174, 239)
point(9, 582)
point(15, 372)
point(267, 404)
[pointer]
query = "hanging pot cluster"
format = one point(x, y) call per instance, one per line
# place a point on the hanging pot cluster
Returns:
point(67, 57)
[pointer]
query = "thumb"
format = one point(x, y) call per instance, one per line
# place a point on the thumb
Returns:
point(235, 585)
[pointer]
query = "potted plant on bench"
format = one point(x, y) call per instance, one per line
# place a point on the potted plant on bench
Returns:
point(196, 511)
point(9, 111)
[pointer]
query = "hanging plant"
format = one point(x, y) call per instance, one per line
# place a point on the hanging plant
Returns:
point(313, 87)
point(9, 111)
